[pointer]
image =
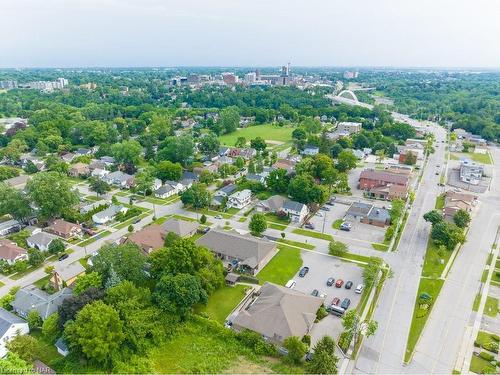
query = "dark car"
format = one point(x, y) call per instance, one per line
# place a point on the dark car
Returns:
point(303, 271)
point(329, 203)
point(203, 230)
point(309, 225)
point(346, 302)
point(339, 283)
point(330, 281)
point(136, 220)
point(346, 226)
point(336, 301)
point(63, 256)
point(324, 208)
point(348, 285)
point(315, 293)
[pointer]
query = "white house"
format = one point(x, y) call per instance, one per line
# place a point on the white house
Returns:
point(165, 191)
point(240, 199)
point(10, 327)
point(40, 240)
point(297, 211)
point(108, 214)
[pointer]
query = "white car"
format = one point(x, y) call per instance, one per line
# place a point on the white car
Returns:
point(320, 214)
point(359, 289)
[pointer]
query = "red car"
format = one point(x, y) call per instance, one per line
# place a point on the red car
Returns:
point(339, 283)
point(336, 301)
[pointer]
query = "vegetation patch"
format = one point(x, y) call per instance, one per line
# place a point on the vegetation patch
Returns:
point(380, 246)
point(313, 234)
point(297, 244)
point(222, 302)
point(268, 131)
point(282, 267)
point(479, 158)
point(435, 260)
point(95, 238)
point(337, 223)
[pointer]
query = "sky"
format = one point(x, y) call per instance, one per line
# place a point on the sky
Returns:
point(128, 33)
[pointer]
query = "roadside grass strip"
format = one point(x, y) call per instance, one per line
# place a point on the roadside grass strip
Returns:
point(94, 238)
point(297, 244)
point(380, 246)
point(313, 234)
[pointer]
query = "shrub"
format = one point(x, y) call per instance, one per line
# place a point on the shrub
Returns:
point(306, 340)
point(203, 219)
point(389, 233)
point(255, 342)
point(495, 337)
point(487, 356)
point(321, 313)
point(492, 346)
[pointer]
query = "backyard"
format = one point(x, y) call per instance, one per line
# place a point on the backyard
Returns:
point(222, 302)
point(282, 267)
point(269, 132)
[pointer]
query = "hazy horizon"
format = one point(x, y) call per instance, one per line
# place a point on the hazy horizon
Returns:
point(391, 34)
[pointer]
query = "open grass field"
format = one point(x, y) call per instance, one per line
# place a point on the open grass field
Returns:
point(431, 287)
point(479, 158)
point(222, 302)
point(282, 267)
point(268, 132)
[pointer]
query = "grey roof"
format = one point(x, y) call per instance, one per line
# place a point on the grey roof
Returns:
point(164, 189)
point(41, 239)
point(9, 224)
point(69, 271)
point(180, 227)
point(249, 250)
point(109, 212)
point(379, 214)
point(217, 200)
point(61, 344)
point(228, 189)
point(7, 319)
point(117, 176)
point(187, 175)
point(18, 180)
point(280, 312)
point(32, 298)
point(274, 203)
point(293, 206)
point(108, 159)
point(254, 177)
point(359, 209)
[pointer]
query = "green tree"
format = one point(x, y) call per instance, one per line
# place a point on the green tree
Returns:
point(433, 217)
point(337, 248)
point(354, 327)
point(51, 193)
point(88, 280)
point(324, 360)
point(278, 180)
point(98, 186)
point(258, 224)
point(240, 142)
point(7, 172)
point(372, 270)
point(178, 294)
point(209, 144)
point(12, 364)
point(166, 170)
point(447, 234)
point(14, 203)
point(302, 188)
point(239, 162)
point(127, 261)
point(143, 181)
point(296, 349)
point(50, 328)
point(203, 219)
point(197, 196)
point(177, 150)
point(461, 218)
point(258, 143)
point(25, 346)
point(127, 153)
point(346, 161)
point(312, 126)
point(35, 257)
point(229, 119)
point(56, 246)
point(410, 158)
point(97, 332)
point(34, 320)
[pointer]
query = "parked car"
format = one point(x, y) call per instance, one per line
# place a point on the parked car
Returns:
point(336, 301)
point(346, 226)
point(309, 225)
point(359, 289)
point(218, 216)
point(339, 283)
point(346, 302)
point(63, 256)
point(303, 271)
point(330, 281)
point(136, 220)
point(324, 208)
point(291, 284)
point(315, 293)
point(203, 230)
point(329, 203)
point(348, 285)
point(320, 214)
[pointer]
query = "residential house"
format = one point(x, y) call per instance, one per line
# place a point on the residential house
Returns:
point(165, 191)
point(9, 226)
point(371, 179)
point(310, 150)
point(234, 152)
point(242, 251)
point(239, 199)
point(256, 178)
point(99, 173)
point(226, 190)
point(454, 201)
point(225, 160)
point(349, 127)
point(79, 170)
point(83, 152)
point(182, 228)
point(277, 312)
point(108, 214)
point(68, 157)
point(287, 164)
point(247, 153)
point(64, 229)
point(40, 241)
point(10, 252)
point(470, 172)
point(31, 298)
point(66, 275)
point(10, 327)
point(97, 164)
point(359, 154)
point(272, 204)
point(389, 192)
point(224, 151)
point(368, 214)
point(18, 183)
point(108, 160)
point(295, 210)
point(118, 178)
point(86, 208)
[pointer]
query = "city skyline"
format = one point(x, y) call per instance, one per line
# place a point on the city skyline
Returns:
point(171, 33)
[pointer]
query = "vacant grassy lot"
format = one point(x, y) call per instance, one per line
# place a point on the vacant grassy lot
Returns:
point(313, 234)
point(222, 302)
point(479, 158)
point(268, 132)
point(420, 316)
point(282, 267)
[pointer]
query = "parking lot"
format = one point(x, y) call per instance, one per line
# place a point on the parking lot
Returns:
point(359, 231)
point(321, 267)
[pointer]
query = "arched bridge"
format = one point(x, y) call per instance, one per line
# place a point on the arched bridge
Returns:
point(348, 94)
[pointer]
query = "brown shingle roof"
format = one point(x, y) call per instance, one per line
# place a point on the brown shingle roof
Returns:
point(9, 250)
point(148, 238)
point(388, 177)
point(62, 226)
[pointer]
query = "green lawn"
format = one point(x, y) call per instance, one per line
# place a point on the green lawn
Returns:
point(222, 302)
point(310, 233)
point(420, 316)
point(432, 261)
point(185, 218)
point(242, 219)
point(356, 257)
point(297, 244)
point(42, 282)
point(475, 304)
point(479, 158)
point(337, 223)
point(282, 267)
point(95, 238)
point(276, 219)
point(439, 202)
point(483, 337)
point(380, 246)
point(477, 365)
point(93, 198)
point(162, 219)
point(276, 226)
point(491, 306)
point(19, 275)
point(126, 223)
point(268, 132)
